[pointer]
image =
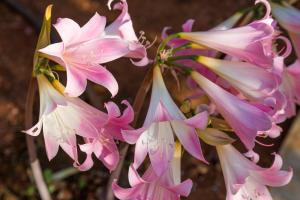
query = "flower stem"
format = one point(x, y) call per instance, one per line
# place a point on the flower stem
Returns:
point(185, 57)
point(137, 107)
point(34, 162)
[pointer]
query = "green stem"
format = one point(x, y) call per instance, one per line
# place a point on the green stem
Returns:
point(185, 57)
point(186, 69)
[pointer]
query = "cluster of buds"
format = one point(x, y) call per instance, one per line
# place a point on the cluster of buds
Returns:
point(237, 71)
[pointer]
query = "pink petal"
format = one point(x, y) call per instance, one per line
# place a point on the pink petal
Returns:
point(134, 177)
point(138, 51)
point(244, 118)
point(97, 51)
point(198, 121)
point(110, 156)
point(113, 110)
point(273, 178)
point(54, 52)
point(253, 81)
point(76, 82)
point(67, 29)
point(101, 76)
point(94, 28)
point(160, 145)
point(51, 146)
point(70, 149)
point(126, 194)
point(122, 25)
point(141, 150)
point(189, 139)
point(131, 136)
point(86, 165)
point(183, 189)
point(242, 42)
point(188, 25)
point(36, 129)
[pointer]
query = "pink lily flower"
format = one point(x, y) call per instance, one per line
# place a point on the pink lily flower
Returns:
point(168, 186)
point(122, 28)
point(252, 81)
point(289, 18)
point(104, 147)
point(246, 180)
point(163, 120)
point(151, 186)
point(82, 50)
point(247, 43)
point(63, 117)
point(245, 119)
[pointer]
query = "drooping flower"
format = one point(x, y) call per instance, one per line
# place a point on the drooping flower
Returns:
point(151, 186)
point(62, 118)
point(163, 120)
point(82, 50)
point(247, 42)
point(246, 180)
point(245, 119)
point(289, 18)
point(122, 28)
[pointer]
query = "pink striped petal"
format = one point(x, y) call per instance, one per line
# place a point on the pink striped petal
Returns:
point(67, 29)
point(244, 42)
point(244, 118)
point(253, 81)
point(94, 28)
point(198, 121)
point(183, 189)
point(101, 50)
point(189, 139)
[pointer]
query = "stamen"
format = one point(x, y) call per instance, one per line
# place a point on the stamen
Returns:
point(147, 46)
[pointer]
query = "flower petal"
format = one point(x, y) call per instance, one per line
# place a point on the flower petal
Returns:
point(94, 28)
point(244, 118)
point(183, 189)
point(253, 81)
point(189, 139)
point(67, 29)
point(97, 51)
point(76, 82)
point(160, 143)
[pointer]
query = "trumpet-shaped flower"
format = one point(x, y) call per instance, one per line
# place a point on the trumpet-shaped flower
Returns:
point(246, 180)
point(82, 50)
point(247, 42)
point(245, 119)
point(62, 118)
point(253, 81)
point(163, 120)
point(151, 186)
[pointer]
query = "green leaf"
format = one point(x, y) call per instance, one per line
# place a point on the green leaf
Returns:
point(215, 137)
point(30, 191)
point(48, 174)
point(44, 37)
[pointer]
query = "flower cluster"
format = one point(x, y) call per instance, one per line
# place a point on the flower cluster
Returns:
point(64, 116)
point(240, 88)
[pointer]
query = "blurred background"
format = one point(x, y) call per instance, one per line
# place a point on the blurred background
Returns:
point(19, 27)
